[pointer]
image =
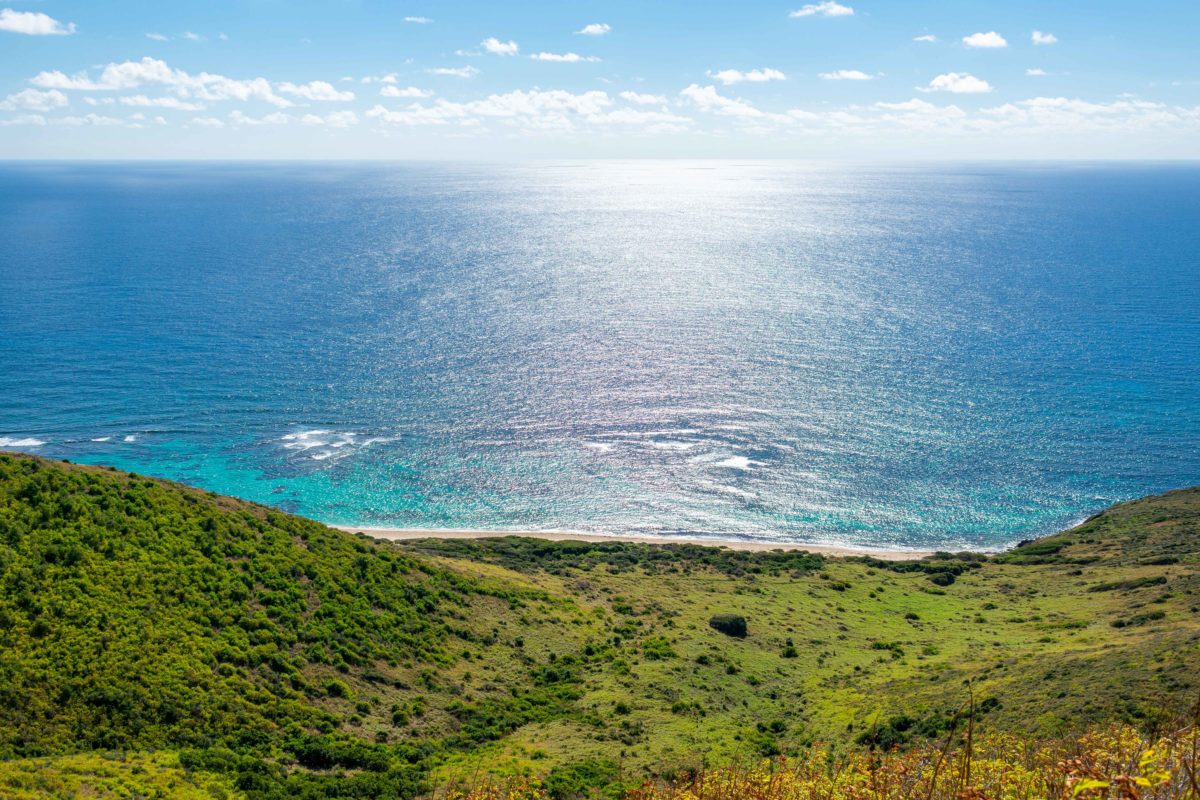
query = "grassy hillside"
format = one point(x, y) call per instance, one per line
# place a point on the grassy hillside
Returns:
point(275, 657)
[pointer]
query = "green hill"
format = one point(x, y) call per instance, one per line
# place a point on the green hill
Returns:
point(243, 652)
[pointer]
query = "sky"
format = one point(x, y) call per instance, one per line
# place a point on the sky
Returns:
point(439, 79)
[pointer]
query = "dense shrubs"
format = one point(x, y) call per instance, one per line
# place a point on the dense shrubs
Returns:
point(560, 557)
point(729, 624)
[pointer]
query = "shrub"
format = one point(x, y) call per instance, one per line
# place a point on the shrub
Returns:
point(730, 625)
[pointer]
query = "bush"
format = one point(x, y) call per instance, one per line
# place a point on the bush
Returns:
point(573, 781)
point(730, 625)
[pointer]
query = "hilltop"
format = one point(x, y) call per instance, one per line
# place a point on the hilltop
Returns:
point(231, 650)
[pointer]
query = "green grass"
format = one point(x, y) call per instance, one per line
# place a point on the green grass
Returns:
point(287, 659)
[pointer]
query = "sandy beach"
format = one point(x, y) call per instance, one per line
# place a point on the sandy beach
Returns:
point(400, 534)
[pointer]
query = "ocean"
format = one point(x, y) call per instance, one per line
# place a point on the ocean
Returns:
point(938, 356)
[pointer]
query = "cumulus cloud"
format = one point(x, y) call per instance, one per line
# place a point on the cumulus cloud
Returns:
point(1043, 38)
point(411, 91)
point(957, 83)
point(595, 29)
point(24, 119)
point(498, 48)
point(991, 39)
point(706, 98)
point(643, 99)
point(533, 110)
point(338, 119)
point(418, 20)
point(33, 23)
point(94, 120)
point(825, 9)
point(277, 118)
point(568, 58)
point(732, 76)
point(158, 37)
point(455, 72)
point(33, 100)
point(846, 75)
point(192, 37)
point(141, 100)
point(928, 37)
point(202, 86)
point(208, 122)
point(317, 91)
point(1035, 72)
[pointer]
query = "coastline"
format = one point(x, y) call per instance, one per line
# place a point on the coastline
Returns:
point(403, 534)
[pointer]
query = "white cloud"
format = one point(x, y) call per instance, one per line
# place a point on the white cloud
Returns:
point(846, 75)
point(158, 37)
point(643, 99)
point(33, 23)
point(928, 37)
point(338, 119)
point(991, 39)
point(153, 72)
point(706, 98)
point(418, 20)
point(277, 118)
point(1035, 72)
point(499, 48)
point(595, 29)
point(94, 120)
point(568, 58)
point(192, 37)
point(825, 9)
point(208, 122)
point(908, 105)
point(388, 78)
point(411, 91)
point(957, 83)
point(455, 72)
point(732, 76)
point(534, 110)
point(24, 119)
point(1043, 38)
point(317, 91)
point(140, 100)
point(33, 100)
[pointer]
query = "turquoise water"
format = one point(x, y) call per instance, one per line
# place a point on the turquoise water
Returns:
point(920, 357)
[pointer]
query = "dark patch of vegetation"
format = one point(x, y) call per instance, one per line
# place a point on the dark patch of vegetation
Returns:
point(1133, 583)
point(564, 557)
point(730, 625)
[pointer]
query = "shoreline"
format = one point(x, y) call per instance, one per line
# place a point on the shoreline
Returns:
point(405, 534)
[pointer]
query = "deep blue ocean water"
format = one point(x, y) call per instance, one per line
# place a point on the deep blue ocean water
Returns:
point(943, 356)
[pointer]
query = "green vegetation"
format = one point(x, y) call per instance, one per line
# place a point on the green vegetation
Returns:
point(235, 650)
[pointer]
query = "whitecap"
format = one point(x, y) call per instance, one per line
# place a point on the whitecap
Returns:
point(600, 447)
point(130, 438)
point(735, 462)
point(101, 439)
point(323, 444)
point(12, 441)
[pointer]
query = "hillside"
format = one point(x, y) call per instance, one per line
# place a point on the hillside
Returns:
point(246, 652)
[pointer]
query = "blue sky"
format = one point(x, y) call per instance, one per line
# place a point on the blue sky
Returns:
point(871, 79)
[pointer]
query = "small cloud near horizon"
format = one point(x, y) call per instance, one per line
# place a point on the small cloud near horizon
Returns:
point(957, 83)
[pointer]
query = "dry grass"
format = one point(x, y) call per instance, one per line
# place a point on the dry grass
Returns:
point(1116, 762)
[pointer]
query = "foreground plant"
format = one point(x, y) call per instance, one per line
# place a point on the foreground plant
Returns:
point(1117, 762)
